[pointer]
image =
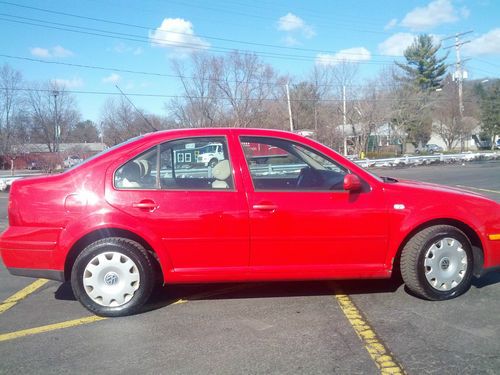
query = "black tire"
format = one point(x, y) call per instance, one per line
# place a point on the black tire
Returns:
point(437, 263)
point(118, 280)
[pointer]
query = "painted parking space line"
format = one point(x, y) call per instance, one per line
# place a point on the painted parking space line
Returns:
point(49, 328)
point(379, 353)
point(22, 294)
point(479, 189)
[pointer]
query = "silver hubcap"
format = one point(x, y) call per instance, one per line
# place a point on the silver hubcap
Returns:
point(111, 279)
point(445, 264)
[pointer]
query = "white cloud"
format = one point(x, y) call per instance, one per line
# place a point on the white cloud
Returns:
point(436, 13)
point(113, 78)
point(178, 34)
point(124, 48)
point(486, 44)
point(396, 44)
point(391, 24)
point(292, 23)
point(56, 51)
point(69, 84)
point(291, 41)
point(59, 51)
point(355, 54)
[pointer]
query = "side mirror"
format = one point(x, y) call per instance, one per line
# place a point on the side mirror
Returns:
point(352, 183)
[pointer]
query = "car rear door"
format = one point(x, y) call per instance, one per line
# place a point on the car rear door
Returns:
point(203, 225)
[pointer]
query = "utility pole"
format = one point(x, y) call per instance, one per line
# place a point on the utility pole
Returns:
point(289, 107)
point(459, 77)
point(57, 131)
point(344, 124)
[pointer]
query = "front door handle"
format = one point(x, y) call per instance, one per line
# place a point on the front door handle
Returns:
point(146, 205)
point(265, 207)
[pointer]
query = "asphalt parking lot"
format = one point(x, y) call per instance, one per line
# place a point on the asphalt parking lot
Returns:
point(349, 327)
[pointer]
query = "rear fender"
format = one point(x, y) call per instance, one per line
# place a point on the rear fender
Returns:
point(109, 221)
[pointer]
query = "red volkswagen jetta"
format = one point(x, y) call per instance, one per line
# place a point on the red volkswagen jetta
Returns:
point(225, 205)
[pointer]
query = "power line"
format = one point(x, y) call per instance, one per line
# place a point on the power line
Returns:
point(113, 69)
point(218, 10)
point(217, 98)
point(181, 33)
point(162, 42)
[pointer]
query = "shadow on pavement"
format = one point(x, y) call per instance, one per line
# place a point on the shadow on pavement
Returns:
point(167, 295)
point(488, 279)
point(163, 296)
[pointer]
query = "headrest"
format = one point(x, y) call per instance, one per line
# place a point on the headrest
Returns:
point(131, 171)
point(222, 170)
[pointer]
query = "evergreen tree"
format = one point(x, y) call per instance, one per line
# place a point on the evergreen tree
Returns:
point(423, 68)
point(490, 111)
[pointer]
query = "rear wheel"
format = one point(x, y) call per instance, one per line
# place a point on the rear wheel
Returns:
point(113, 277)
point(436, 263)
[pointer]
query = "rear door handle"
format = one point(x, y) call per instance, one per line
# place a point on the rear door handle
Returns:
point(265, 207)
point(147, 205)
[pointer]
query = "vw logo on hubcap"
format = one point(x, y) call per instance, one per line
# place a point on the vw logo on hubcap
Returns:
point(445, 264)
point(111, 278)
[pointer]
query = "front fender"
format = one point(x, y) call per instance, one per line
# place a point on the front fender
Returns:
point(404, 223)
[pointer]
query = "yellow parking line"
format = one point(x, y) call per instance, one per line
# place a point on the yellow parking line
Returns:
point(22, 294)
point(48, 328)
point(480, 189)
point(380, 354)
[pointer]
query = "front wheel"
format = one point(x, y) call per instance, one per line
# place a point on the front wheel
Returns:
point(113, 277)
point(437, 263)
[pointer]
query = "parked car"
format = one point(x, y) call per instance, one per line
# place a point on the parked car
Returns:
point(71, 161)
point(497, 144)
point(130, 216)
point(6, 182)
point(430, 148)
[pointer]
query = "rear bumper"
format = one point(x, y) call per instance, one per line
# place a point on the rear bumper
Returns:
point(37, 273)
point(31, 251)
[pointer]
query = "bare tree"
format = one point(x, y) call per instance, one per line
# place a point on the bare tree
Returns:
point(231, 90)
point(83, 132)
point(447, 120)
point(11, 106)
point(121, 121)
point(245, 83)
point(370, 113)
point(53, 113)
point(199, 106)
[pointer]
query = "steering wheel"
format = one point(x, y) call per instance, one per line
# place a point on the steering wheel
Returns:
point(309, 178)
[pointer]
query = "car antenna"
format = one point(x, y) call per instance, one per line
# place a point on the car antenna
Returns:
point(133, 105)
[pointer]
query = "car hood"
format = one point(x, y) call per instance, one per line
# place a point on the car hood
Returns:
point(439, 192)
point(437, 188)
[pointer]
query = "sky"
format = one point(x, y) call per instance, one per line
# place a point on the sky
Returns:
point(92, 46)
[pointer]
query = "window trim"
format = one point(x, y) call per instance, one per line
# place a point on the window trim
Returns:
point(158, 187)
point(333, 161)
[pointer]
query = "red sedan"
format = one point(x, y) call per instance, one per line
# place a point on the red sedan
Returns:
point(272, 206)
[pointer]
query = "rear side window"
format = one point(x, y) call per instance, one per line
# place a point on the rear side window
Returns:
point(185, 164)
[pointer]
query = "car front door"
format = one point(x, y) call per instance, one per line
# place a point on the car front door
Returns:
point(199, 211)
point(301, 218)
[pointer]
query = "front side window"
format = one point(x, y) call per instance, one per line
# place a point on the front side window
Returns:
point(185, 164)
point(277, 164)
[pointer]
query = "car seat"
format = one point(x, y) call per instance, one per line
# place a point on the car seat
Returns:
point(221, 172)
